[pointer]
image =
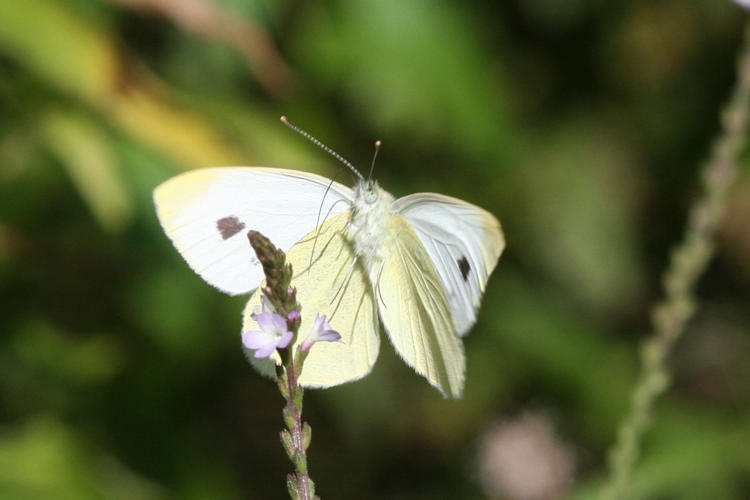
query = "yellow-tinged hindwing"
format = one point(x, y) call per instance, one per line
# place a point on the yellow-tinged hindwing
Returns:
point(335, 285)
point(415, 311)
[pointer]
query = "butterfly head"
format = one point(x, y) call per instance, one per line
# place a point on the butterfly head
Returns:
point(368, 191)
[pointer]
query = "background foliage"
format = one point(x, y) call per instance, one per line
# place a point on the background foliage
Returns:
point(580, 124)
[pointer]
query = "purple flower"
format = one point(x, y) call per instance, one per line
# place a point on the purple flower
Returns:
point(273, 334)
point(744, 3)
point(321, 331)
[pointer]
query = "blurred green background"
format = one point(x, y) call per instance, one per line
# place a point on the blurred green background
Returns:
point(580, 124)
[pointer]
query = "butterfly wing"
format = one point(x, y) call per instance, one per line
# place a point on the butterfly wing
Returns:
point(463, 241)
point(331, 282)
point(208, 212)
point(415, 310)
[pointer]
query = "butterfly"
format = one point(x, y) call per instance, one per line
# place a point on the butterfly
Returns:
point(418, 264)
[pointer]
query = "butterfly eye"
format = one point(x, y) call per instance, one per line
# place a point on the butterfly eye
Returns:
point(371, 195)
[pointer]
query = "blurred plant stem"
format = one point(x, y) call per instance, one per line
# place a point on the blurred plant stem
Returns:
point(688, 261)
point(209, 21)
point(296, 437)
point(95, 71)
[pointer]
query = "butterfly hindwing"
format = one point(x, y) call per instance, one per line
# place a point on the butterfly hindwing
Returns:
point(463, 241)
point(414, 309)
point(335, 285)
point(208, 212)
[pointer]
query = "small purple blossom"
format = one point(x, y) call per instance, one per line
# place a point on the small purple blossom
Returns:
point(321, 331)
point(744, 3)
point(273, 334)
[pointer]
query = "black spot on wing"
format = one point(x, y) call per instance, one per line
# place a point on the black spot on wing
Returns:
point(464, 267)
point(229, 226)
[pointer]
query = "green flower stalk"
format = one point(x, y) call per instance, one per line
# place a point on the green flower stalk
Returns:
point(688, 262)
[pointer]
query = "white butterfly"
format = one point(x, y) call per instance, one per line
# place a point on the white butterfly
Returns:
point(419, 263)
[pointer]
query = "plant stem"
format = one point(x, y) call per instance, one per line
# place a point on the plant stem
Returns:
point(688, 262)
point(299, 484)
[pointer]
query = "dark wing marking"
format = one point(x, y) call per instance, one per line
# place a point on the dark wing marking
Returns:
point(464, 267)
point(229, 226)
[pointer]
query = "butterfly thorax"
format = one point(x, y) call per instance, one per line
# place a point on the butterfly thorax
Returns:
point(371, 209)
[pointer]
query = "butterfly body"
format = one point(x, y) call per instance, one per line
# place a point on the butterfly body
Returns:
point(370, 209)
point(417, 265)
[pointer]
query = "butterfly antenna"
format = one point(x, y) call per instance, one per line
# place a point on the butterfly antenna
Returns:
point(322, 146)
point(372, 165)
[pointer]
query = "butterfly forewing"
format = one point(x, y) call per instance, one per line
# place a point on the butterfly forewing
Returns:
point(208, 212)
point(463, 241)
point(335, 285)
